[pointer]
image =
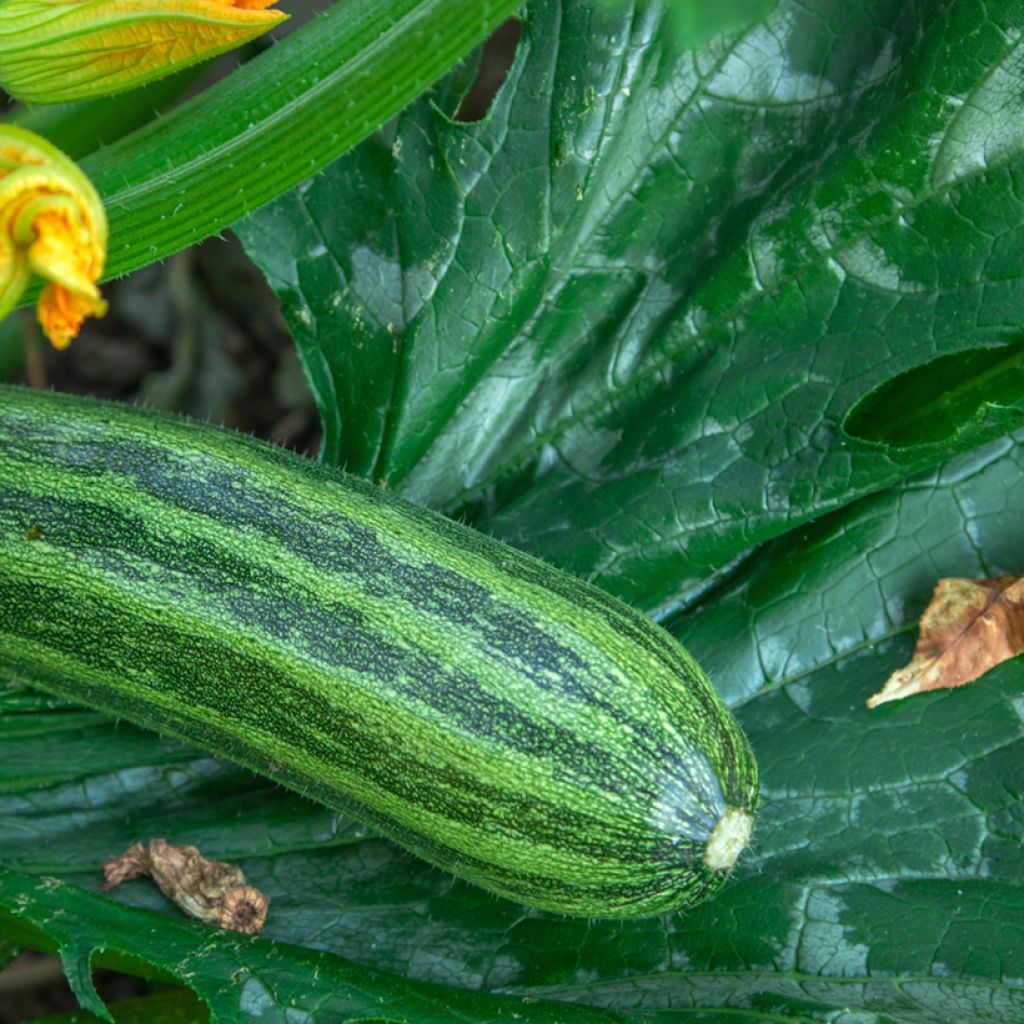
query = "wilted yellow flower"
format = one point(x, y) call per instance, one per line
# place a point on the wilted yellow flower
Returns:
point(57, 50)
point(52, 223)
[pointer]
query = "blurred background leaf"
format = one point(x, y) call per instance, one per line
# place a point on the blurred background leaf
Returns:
point(695, 22)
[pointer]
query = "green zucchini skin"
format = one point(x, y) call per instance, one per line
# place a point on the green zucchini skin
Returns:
point(496, 716)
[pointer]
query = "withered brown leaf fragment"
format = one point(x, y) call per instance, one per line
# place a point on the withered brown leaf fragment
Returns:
point(210, 890)
point(968, 627)
point(133, 863)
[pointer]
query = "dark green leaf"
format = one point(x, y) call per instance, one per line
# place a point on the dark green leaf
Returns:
point(696, 21)
point(176, 1006)
point(244, 978)
point(886, 874)
point(11, 348)
point(820, 209)
point(621, 322)
point(937, 403)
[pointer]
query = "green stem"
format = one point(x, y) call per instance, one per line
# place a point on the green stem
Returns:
point(278, 119)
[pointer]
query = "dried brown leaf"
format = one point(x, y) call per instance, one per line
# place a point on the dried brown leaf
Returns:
point(968, 627)
point(210, 890)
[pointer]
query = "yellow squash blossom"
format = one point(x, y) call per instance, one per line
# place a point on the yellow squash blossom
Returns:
point(57, 50)
point(52, 224)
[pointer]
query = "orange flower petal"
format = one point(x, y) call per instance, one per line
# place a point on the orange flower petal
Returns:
point(65, 252)
point(52, 224)
point(62, 313)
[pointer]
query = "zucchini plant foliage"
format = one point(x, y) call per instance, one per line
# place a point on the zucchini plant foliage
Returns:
point(273, 122)
point(643, 320)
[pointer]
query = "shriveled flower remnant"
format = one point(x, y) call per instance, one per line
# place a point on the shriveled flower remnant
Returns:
point(210, 890)
point(52, 224)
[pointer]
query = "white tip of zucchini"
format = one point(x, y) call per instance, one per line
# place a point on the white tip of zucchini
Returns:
point(728, 839)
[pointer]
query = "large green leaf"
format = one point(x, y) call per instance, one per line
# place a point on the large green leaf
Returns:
point(886, 876)
point(712, 406)
point(707, 259)
point(242, 978)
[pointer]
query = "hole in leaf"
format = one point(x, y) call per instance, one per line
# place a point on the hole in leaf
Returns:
point(933, 403)
point(498, 54)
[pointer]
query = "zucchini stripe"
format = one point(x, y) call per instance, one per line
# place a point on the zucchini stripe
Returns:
point(498, 717)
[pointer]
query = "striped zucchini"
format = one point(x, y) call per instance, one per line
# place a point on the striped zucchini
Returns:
point(497, 717)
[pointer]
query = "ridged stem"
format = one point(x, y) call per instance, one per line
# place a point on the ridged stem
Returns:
point(278, 119)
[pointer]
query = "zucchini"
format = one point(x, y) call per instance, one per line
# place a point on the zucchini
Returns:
point(496, 716)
